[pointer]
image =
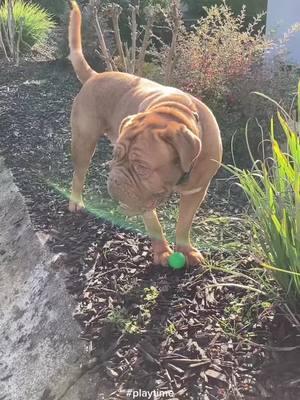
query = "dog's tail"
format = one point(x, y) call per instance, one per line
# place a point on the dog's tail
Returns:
point(80, 65)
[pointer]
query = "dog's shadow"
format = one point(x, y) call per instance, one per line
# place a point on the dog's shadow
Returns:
point(135, 330)
point(125, 303)
point(143, 349)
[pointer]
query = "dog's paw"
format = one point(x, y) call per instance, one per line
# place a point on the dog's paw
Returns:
point(193, 256)
point(162, 258)
point(161, 252)
point(76, 206)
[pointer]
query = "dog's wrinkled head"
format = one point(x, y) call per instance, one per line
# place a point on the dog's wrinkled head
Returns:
point(152, 153)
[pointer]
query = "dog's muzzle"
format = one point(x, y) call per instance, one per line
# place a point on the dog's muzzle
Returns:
point(122, 188)
point(132, 199)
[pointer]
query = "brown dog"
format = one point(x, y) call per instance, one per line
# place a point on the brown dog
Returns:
point(165, 140)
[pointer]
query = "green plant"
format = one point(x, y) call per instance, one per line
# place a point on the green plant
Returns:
point(151, 294)
point(273, 189)
point(32, 20)
point(145, 312)
point(274, 78)
point(220, 48)
point(222, 61)
point(123, 322)
point(171, 329)
point(132, 327)
point(118, 318)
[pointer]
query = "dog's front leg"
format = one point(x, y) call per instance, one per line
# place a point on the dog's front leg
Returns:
point(83, 148)
point(187, 209)
point(160, 246)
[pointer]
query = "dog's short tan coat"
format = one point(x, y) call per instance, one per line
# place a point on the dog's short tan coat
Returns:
point(165, 140)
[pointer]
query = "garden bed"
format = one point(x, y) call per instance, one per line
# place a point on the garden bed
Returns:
point(203, 335)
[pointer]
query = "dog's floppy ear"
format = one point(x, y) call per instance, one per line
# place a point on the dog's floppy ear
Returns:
point(186, 144)
point(126, 121)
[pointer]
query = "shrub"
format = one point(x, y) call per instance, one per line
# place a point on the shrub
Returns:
point(222, 61)
point(219, 49)
point(277, 80)
point(35, 22)
point(273, 188)
point(143, 4)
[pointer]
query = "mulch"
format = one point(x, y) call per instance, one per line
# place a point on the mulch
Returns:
point(198, 333)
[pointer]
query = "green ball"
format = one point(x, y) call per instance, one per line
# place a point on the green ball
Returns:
point(176, 260)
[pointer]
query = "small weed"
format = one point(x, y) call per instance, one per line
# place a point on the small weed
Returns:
point(130, 324)
point(145, 312)
point(132, 327)
point(171, 329)
point(117, 317)
point(151, 294)
point(124, 323)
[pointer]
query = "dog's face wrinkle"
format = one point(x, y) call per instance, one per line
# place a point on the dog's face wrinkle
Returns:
point(149, 169)
point(178, 115)
point(131, 190)
point(157, 125)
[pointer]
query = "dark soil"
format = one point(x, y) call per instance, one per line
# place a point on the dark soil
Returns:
point(203, 335)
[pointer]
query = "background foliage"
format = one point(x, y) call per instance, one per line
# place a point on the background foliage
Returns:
point(222, 61)
point(253, 7)
point(57, 8)
point(36, 22)
point(273, 189)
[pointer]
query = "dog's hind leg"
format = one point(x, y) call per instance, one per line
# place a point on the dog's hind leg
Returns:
point(83, 149)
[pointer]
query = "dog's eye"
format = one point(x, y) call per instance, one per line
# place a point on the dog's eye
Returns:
point(142, 170)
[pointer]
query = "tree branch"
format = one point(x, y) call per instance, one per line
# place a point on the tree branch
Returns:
point(106, 56)
point(17, 50)
point(176, 21)
point(133, 25)
point(114, 12)
point(150, 15)
point(2, 42)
